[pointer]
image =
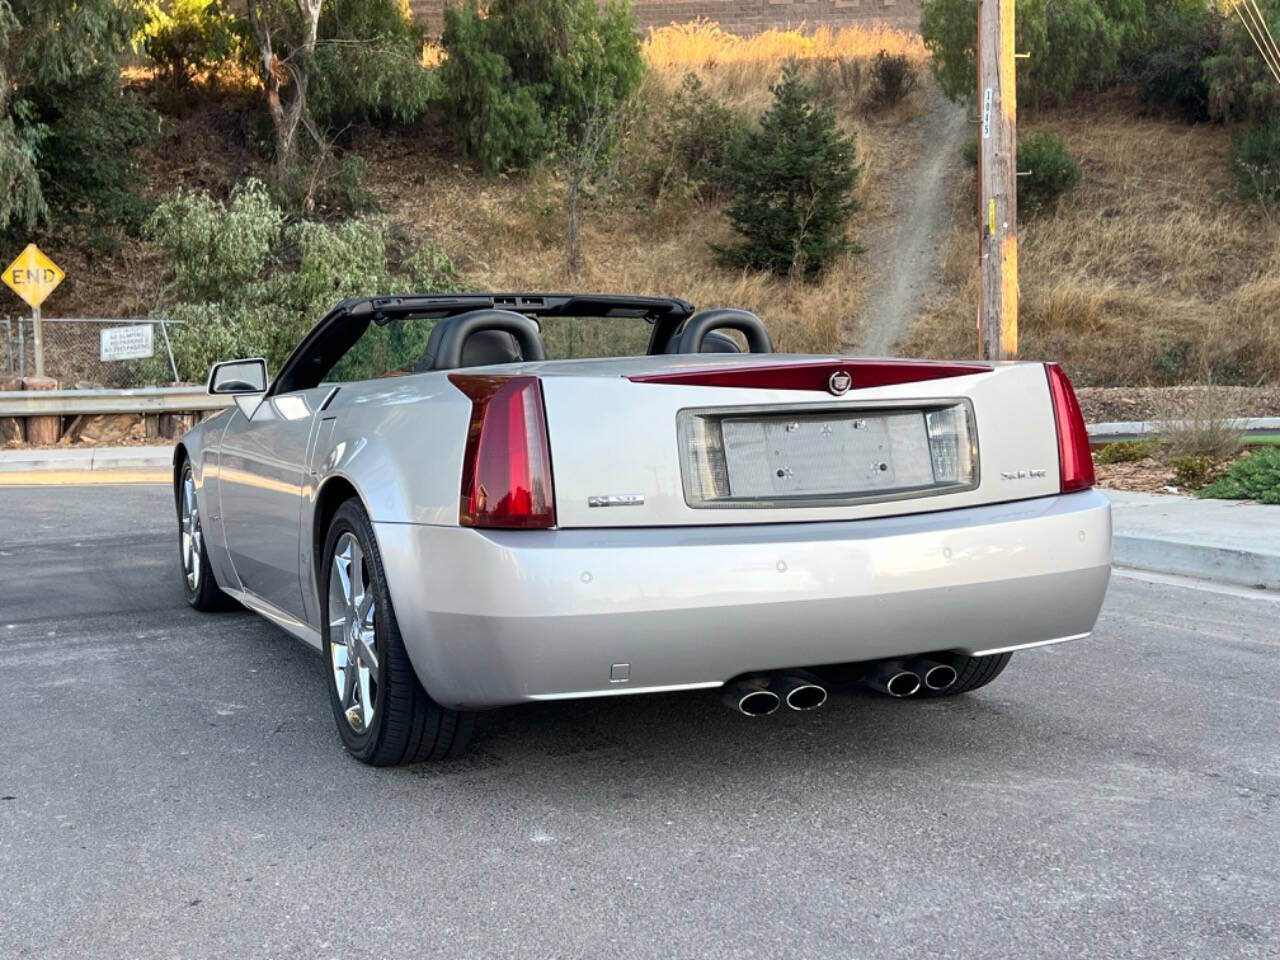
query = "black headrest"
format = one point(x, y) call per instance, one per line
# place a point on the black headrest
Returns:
point(713, 342)
point(464, 341)
point(489, 346)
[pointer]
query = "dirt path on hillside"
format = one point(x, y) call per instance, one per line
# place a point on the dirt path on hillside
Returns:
point(908, 245)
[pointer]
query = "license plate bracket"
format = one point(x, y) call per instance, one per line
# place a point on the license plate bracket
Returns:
point(836, 454)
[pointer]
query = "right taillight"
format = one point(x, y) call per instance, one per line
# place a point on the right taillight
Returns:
point(1075, 460)
point(506, 469)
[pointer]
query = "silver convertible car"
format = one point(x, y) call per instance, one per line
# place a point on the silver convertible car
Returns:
point(455, 521)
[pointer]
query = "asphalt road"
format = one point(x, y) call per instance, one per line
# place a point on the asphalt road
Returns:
point(172, 786)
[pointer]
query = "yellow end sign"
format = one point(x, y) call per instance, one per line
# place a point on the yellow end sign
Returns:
point(33, 276)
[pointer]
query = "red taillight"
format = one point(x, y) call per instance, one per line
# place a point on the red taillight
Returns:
point(1075, 461)
point(506, 470)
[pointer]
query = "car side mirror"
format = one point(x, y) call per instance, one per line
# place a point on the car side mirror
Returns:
point(243, 380)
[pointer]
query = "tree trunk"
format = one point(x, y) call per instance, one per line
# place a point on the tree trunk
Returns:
point(286, 118)
point(574, 199)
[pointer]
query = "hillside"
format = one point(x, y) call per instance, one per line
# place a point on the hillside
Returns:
point(1151, 272)
point(508, 232)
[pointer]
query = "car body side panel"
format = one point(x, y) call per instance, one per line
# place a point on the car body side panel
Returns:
point(493, 617)
point(262, 471)
point(399, 442)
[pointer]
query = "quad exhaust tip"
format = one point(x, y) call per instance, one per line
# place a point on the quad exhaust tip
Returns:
point(751, 698)
point(893, 678)
point(933, 674)
point(798, 690)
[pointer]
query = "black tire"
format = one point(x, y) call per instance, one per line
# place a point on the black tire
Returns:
point(971, 673)
point(407, 726)
point(199, 585)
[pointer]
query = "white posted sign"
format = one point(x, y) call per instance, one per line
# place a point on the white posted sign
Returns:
point(127, 343)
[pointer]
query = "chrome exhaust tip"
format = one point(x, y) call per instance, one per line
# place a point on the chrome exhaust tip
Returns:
point(894, 679)
point(799, 691)
point(751, 698)
point(934, 675)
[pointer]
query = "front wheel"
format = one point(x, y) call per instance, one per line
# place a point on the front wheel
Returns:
point(384, 715)
point(198, 583)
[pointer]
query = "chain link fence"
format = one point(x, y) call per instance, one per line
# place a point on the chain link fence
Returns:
point(90, 352)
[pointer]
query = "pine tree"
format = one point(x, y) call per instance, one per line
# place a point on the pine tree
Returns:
point(791, 185)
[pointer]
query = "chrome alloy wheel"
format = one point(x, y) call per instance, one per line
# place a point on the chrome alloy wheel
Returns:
point(192, 535)
point(353, 650)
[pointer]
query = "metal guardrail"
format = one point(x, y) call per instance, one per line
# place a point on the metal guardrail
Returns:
point(49, 403)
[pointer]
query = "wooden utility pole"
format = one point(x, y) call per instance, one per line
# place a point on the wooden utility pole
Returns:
point(997, 179)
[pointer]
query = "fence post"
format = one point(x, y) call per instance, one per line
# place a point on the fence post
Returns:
point(164, 332)
point(8, 344)
point(37, 342)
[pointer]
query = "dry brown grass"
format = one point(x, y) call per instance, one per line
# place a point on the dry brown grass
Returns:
point(739, 70)
point(1152, 273)
point(701, 43)
point(1201, 423)
point(508, 233)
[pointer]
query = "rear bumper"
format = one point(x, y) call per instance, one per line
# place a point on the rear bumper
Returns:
point(492, 617)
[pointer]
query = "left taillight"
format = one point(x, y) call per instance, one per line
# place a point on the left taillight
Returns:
point(506, 470)
point(1075, 459)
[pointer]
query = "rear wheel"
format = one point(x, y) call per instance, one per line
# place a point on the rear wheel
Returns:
point(384, 715)
point(199, 585)
point(971, 673)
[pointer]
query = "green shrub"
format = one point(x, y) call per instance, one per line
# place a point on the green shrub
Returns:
point(91, 180)
point(68, 127)
point(1073, 45)
point(1169, 67)
point(1255, 161)
point(1194, 472)
point(892, 78)
point(1252, 477)
point(525, 76)
point(1127, 451)
point(1051, 172)
point(368, 65)
point(1241, 88)
point(245, 284)
point(186, 37)
point(690, 143)
point(792, 185)
point(213, 246)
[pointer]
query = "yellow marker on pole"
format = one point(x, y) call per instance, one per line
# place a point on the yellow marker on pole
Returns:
point(33, 276)
point(991, 216)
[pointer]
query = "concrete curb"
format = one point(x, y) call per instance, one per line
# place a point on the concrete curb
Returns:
point(1113, 431)
point(1200, 561)
point(1227, 541)
point(62, 459)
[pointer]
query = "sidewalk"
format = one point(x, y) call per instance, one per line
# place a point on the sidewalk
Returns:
point(1231, 541)
point(67, 465)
